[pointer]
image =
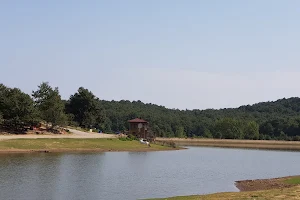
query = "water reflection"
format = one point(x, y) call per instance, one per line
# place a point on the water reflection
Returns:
point(133, 175)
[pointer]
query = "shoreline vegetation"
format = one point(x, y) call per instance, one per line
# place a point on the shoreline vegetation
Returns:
point(260, 189)
point(234, 143)
point(48, 145)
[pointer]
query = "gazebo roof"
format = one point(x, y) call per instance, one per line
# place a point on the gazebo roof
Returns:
point(137, 120)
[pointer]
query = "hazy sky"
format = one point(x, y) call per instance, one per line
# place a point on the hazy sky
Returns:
point(176, 53)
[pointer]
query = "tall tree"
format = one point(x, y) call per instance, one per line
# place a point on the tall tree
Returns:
point(251, 130)
point(16, 108)
point(50, 105)
point(1, 119)
point(207, 133)
point(180, 132)
point(86, 108)
point(228, 128)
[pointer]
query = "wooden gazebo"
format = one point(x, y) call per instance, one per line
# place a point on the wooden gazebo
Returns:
point(139, 128)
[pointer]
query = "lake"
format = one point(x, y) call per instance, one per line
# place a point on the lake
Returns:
point(134, 175)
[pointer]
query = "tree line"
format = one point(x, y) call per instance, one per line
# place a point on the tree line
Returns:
point(278, 120)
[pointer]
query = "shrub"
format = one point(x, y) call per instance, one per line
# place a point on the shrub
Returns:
point(268, 137)
point(172, 144)
point(296, 138)
point(132, 137)
point(95, 130)
point(123, 138)
point(128, 138)
point(167, 143)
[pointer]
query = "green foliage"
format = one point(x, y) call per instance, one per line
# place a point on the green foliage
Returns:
point(123, 138)
point(278, 120)
point(70, 120)
point(260, 121)
point(132, 137)
point(228, 128)
point(296, 138)
point(85, 108)
point(251, 130)
point(180, 132)
point(283, 136)
point(1, 119)
point(293, 181)
point(49, 104)
point(207, 134)
point(128, 138)
point(16, 108)
point(168, 144)
point(95, 130)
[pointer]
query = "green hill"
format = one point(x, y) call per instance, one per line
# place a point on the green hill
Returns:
point(268, 120)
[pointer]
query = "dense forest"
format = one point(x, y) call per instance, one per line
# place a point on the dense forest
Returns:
point(278, 120)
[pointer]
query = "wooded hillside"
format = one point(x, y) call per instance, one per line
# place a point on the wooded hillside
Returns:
point(269, 120)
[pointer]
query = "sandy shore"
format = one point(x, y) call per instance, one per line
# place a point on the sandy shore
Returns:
point(83, 135)
point(253, 144)
point(76, 134)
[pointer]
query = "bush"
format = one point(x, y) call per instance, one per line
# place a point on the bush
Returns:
point(128, 138)
point(132, 137)
point(262, 137)
point(296, 138)
point(95, 130)
point(123, 138)
point(268, 137)
point(168, 143)
point(172, 144)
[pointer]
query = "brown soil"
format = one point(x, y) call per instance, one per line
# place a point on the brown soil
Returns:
point(263, 184)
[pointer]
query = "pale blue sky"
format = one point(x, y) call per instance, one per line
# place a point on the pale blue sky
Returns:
point(180, 54)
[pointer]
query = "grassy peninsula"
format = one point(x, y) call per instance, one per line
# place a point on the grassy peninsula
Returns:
point(75, 145)
point(262, 189)
point(276, 194)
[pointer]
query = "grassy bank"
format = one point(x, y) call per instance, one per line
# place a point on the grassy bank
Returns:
point(71, 145)
point(275, 194)
point(270, 189)
point(255, 144)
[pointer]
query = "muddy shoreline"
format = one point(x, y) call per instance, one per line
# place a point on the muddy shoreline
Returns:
point(264, 184)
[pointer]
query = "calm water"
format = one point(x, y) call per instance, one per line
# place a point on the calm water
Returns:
point(128, 175)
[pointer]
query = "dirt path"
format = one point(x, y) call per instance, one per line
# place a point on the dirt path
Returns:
point(77, 132)
point(74, 134)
